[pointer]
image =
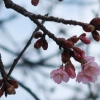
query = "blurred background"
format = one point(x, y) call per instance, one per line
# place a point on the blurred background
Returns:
point(34, 67)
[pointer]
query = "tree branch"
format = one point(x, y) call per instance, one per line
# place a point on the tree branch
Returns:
point(26, 46)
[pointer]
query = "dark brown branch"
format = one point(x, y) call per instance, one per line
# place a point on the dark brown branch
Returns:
point(23, 11)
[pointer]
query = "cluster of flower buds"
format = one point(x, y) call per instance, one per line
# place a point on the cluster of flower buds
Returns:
point(41, 42)
point(93, 27)
point(8, 87)
point(69, 44)
point(90, 69)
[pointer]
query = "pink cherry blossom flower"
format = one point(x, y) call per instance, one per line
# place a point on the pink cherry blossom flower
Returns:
point(90, 71)
point(69, 68)
point(59, 75)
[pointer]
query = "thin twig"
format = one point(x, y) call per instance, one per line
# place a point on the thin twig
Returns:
point(4, 75)
point(34, 17)
point(26, 46)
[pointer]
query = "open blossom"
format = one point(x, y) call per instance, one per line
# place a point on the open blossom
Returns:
point(90, 71)
point(59, 75)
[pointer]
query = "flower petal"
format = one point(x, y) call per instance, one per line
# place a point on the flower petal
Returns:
point(52, 74)
point(79, 77)
point(57, 79)
point(65, 77)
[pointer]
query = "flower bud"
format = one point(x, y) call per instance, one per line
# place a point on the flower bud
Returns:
point(38, 34)
point(88, 28)
point(76, 49)
point(84, 39)
point(45, 45)
point(95, 36)
point(78, 53)
point(65, 57)
point(73, 39)
point(69, 68)
point(68, 44)
point(13, 82)
point(95, 21)
point(38, 44)
point(62, 41)
point(10, 89)
point(35, 2)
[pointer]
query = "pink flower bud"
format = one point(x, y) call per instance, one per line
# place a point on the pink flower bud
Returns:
point(45, 45)
point(78, 53)
point(95, 21)
point(65, 57)
point(35, 2)
point(13, 82)
point(38, 44)
point(68, 44)
point(73, 39)
point(37, 34)
point(84, 39)
point(69, 68)
point(96, 36)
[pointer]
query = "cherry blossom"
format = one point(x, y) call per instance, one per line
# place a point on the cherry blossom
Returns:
point(59, 75)
point(90, 71)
